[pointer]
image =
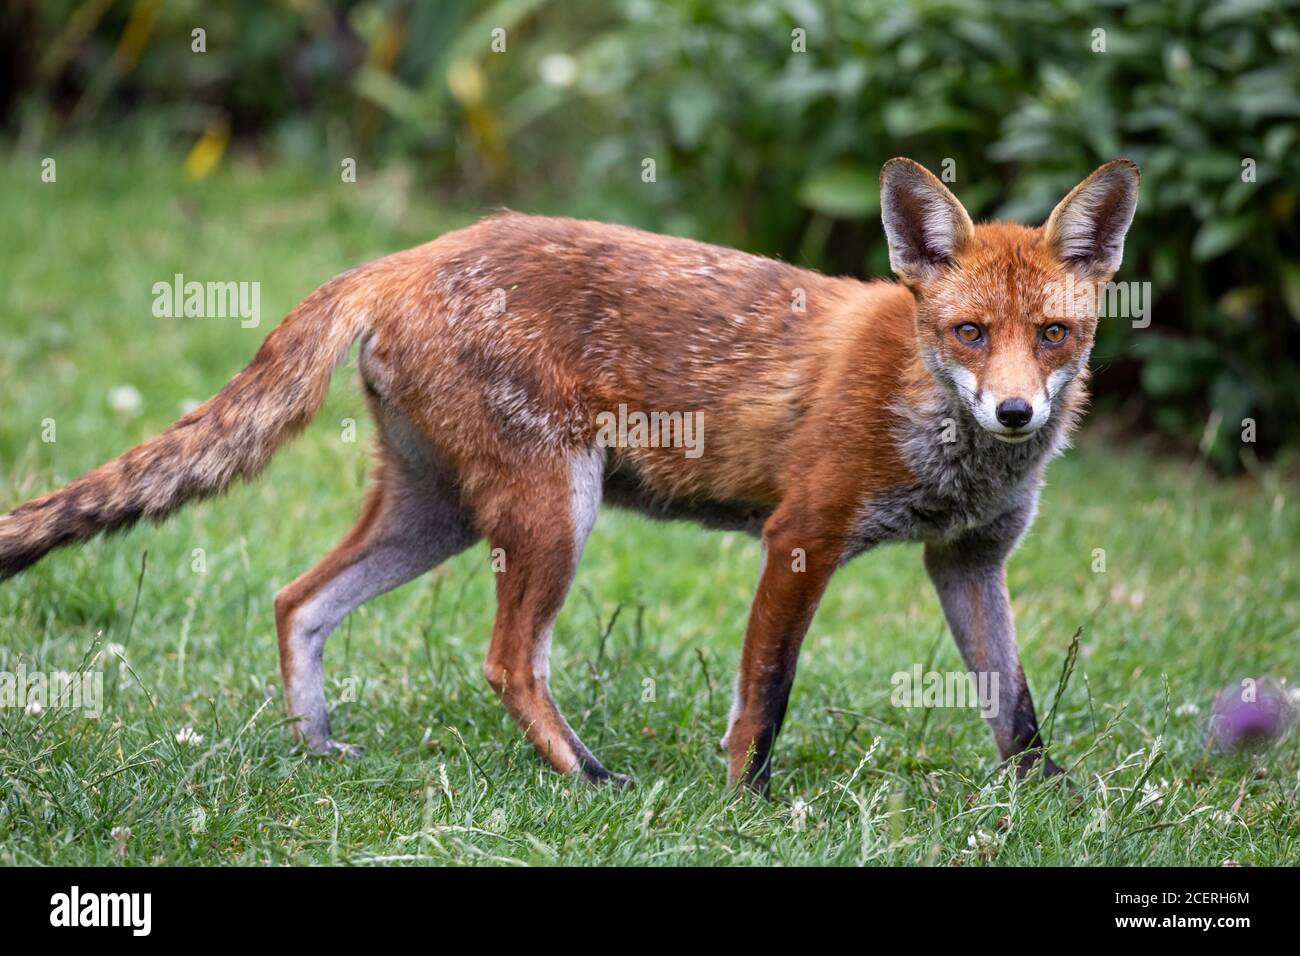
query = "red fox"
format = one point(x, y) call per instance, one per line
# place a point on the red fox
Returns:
point(840, 415)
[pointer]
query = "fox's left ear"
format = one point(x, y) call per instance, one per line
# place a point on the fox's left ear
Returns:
point(1087, 228)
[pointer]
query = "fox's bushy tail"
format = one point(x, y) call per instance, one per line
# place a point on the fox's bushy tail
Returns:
point(230, 436)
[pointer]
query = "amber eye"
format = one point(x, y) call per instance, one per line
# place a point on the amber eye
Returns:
point(1055, 334)
point(968, 332)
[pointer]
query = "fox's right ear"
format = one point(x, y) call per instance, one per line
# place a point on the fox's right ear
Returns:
point(1087, 228)
point(925, 224)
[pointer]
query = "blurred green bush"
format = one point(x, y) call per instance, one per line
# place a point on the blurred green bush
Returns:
point(768, 121)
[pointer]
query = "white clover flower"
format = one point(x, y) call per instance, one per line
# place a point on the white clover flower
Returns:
point(125, 399)
point(799, 815)
point(558, 69)
point(186, 737)
point(121, 837)
point(33, 709)
point(1153, 793)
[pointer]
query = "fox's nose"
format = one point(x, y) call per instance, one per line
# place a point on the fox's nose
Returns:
point(1014, 412)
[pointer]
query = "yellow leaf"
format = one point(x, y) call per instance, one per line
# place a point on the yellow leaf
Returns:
point(207, 152)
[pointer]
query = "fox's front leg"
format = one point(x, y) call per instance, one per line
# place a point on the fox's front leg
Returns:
point(798, 561)
point(970, 575)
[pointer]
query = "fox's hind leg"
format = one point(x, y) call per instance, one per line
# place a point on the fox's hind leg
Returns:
point(413, 519)
point(540, 522)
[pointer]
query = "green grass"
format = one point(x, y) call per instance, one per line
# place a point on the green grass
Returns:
point(1201, 587)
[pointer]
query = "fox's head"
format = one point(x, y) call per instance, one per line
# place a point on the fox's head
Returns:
point(1006, 314)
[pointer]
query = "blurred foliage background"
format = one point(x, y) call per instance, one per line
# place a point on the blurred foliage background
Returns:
point(768, 121)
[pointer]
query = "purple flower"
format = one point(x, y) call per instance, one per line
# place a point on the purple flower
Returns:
point(1252, 712)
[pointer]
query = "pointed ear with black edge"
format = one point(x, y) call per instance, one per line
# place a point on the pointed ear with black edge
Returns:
point(925, 224)
point(1087, 228)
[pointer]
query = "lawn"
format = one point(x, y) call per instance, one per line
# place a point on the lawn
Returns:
point(1201, 587)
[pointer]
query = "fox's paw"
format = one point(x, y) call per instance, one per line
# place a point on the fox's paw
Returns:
point(601, 777)
point(336, 749)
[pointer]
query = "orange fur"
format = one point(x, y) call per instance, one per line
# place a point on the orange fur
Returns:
point(489, 355)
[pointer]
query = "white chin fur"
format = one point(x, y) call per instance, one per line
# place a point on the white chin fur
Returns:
point(1012, 439)
point(984, 408)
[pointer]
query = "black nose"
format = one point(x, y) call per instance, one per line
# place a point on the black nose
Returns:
point(1015, 412)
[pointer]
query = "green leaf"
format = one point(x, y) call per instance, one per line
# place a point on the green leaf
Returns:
point(1217, 236)
point(691, 109)
point(391, 94)
point(1176, 367)
point(843, 192)
point(1291, 288)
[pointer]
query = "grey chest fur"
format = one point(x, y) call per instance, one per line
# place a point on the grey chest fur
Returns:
point(964, 479)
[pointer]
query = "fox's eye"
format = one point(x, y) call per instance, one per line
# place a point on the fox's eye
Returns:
point(968, 332)
point(1055, 333)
